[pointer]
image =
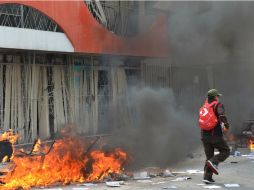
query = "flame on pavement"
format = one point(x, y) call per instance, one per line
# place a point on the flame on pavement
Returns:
point(66, 163)
point(251, 145)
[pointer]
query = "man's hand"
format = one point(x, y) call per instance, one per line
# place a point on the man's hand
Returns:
point(227, 126)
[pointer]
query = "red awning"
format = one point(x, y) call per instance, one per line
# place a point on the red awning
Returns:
point(88, 36)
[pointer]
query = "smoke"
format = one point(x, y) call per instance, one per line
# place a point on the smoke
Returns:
point(215, 35)
point(211, 43)
point(219, 34)
point(157, 131)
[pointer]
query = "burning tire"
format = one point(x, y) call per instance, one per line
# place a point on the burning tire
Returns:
point(6, 150)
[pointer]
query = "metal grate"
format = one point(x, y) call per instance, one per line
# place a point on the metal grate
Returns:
point(114, 15)
point(21, 16)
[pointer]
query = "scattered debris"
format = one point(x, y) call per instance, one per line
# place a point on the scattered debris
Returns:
point(237, 153)
point(114, 183)
point(153, 171)
point(233, 162)
point(232, 185)
point(144, 181)
point(117, 177)
point(195, 172)
point(36, 149)
point(200, 184)
point(190, 155)
point(141, 176)
point(152, 175)
point(181, 179)
point(251, 155)
point(211, 186)
point(88, 184)
point(7, 167)
point(179, 172)
point(159, 182)
point(167, 173)
point(189, 172)
point(170, 187)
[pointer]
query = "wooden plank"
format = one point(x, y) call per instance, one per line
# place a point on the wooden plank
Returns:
point(65, 93)
point(59, 119)
point(20, 103)
point(95, 102)
point(71, 95)
point(7, 97)
point(76, 78)
point(85, 121)
point(27, 101)
point(34, 100)
point(44, 131)
point(1, 98)
point(12, 108)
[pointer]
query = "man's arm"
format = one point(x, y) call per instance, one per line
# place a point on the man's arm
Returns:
point(221, 114)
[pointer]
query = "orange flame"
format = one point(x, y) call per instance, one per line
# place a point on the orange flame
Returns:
point(10, 136)
point(251, 145)
point(5, 159)
point(66, 163)
point(37, 146)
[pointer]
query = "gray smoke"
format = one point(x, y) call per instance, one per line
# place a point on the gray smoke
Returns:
point(211, 32)
point(218, 34)
point(156, 126)
point(157, 131)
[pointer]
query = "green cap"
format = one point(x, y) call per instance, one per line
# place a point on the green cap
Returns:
point(213, 92)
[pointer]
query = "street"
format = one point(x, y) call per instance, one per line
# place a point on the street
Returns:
point(235, 170)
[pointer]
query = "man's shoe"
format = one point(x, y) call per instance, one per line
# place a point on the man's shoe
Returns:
point(208, 181)
point(212, 166)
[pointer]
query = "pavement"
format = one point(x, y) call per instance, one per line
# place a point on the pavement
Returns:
point(235, 170)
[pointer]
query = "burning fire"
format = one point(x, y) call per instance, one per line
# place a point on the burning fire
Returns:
point(67, 162)
point(10, 136)
point(251, 145)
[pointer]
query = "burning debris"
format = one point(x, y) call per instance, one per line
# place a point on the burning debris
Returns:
point(69, 159)
point(251, 145)
point(64, 161)
point(7, 139)
point(244, 138)
point(246, 135)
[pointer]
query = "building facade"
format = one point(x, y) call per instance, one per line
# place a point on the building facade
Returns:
point(66, 62)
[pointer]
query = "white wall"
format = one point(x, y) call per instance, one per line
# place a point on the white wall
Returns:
point(29, 39)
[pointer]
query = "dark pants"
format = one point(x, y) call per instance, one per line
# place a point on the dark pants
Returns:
point(214, 142)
